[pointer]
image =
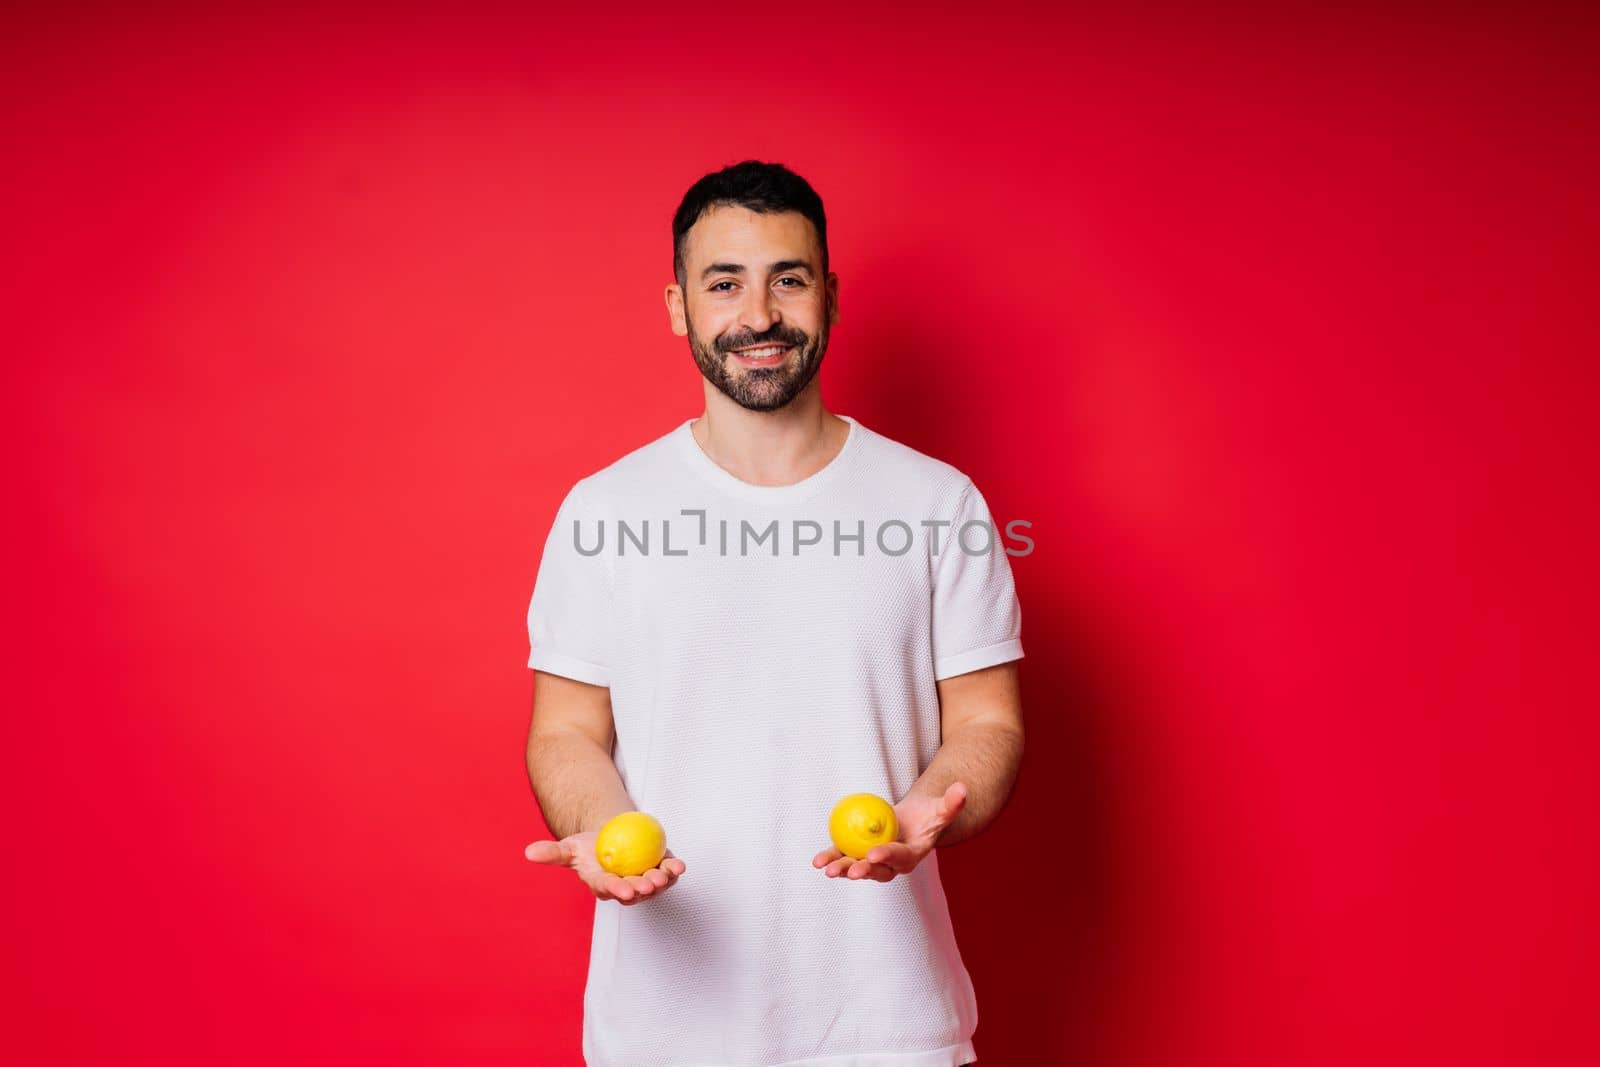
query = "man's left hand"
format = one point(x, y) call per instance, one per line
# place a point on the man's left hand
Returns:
point(921, 821)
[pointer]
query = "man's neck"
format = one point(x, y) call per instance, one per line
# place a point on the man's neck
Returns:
point(775, 448)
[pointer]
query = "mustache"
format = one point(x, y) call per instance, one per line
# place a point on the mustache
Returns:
point(777, 334)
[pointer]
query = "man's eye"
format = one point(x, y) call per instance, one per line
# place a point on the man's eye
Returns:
point(783, 282)
point(718, 288)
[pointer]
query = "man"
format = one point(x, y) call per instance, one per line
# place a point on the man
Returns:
point(761, 611)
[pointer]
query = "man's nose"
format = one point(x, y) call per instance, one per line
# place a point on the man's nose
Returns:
point(757, 313)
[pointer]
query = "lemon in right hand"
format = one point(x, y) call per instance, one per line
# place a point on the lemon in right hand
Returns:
point(630, 844)
point(861, 821)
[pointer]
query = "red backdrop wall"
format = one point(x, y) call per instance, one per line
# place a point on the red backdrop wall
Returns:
point(1278, 327)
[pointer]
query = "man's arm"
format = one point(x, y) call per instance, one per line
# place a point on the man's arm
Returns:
point(966, 784)
point(569, 755)
point(578, 787)
point(980, 729)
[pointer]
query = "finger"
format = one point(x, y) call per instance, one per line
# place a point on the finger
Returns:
point(657, 877)
point(895, 855)
point(955, 798)
point(673, 866)
point(547, 852)
point(617, 887)
point(876, 872)
point(825, 857)
point(641, 885)
point(838, 867)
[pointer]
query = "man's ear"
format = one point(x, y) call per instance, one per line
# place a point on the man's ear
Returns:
point(680, 324)
point(833, 298)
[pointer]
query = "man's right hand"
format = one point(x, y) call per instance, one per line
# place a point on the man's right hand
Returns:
point(577, 852)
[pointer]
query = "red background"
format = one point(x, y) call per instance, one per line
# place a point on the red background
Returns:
point(1278, 327)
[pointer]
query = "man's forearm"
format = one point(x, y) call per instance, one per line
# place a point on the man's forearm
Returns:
point(985, 758)
point(576, 783)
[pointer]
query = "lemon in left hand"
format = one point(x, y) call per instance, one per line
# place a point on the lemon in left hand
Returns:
point(860, 822)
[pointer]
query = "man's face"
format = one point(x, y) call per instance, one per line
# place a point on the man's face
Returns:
point(754, 304)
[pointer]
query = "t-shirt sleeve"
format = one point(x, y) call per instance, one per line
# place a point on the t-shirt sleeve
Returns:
point(977, 621)
point(568, 616)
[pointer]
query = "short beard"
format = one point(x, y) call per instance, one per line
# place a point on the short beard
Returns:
point(760, 388)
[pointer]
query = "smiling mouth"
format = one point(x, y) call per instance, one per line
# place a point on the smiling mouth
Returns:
point(762, 355)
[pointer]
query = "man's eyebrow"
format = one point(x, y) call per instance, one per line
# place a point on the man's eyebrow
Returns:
point(738, 268)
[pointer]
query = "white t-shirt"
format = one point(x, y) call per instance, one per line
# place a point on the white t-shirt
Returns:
point(768, 653)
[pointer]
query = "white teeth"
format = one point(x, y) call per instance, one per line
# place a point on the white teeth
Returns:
point(760, 353)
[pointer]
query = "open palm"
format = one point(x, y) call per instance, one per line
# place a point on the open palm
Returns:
point(922, 819)
point(577, 853)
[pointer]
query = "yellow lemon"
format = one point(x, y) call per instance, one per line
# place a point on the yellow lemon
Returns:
point(861, 821)
point(630, 844)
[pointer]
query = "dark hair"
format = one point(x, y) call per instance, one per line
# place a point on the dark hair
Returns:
point(760, 187)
